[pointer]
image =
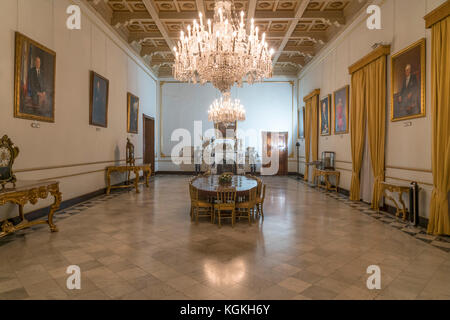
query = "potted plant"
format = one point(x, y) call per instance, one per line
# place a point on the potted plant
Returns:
point(225, 178)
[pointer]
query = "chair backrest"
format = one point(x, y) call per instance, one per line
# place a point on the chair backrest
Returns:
point(259, 188)
point(227, 196)
point(252, 195)
point(193, 191)
point(263, 196)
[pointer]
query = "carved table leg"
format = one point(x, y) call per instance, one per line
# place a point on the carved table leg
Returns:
point(403, 210)
point(108, 179)
point(136, 180)
point(55, 206)
point(147, 179)
point(21, 215)
point(327, 183)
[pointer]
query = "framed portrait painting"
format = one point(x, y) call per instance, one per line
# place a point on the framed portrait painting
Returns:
point(133, 113)
point(408, 82)
point(301, 123)
point(98, 106)
point(340, 110)
point(324, 116)
point(34, 80)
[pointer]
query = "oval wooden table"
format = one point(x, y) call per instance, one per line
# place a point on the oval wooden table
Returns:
point(210, 184)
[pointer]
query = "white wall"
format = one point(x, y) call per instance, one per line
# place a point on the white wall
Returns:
point(406, 146)
point(71, 140)
point(270, 106)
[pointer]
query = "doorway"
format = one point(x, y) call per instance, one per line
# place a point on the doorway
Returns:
point(272, 141)
point(149, 141)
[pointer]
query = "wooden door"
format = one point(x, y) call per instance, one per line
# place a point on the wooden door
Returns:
point(149, 141)
point(279, 141)
point(283, 153)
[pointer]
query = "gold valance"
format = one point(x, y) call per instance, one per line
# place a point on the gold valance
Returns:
point(437, 14)
point(312, 94)
point(374, 55)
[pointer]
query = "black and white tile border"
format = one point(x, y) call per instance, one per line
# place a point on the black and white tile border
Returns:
point(441, 242)
point(63, 214)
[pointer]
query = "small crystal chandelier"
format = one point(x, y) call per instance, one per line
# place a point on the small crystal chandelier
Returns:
point(226, 110)
point(222, 52)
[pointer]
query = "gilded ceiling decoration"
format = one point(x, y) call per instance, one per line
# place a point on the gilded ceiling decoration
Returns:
point(296, 29)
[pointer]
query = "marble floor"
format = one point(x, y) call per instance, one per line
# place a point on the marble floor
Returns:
point(143, 246)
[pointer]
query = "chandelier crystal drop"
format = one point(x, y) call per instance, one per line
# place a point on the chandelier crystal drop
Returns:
point(226, 110)
point(221, 52)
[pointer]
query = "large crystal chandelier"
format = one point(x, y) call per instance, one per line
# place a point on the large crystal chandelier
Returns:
point(226, 111)
point(222, 52)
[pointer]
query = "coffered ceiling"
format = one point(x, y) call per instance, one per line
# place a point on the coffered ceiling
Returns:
point(296, 29)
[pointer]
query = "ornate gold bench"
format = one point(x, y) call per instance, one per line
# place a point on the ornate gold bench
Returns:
point(400, 189)
point(146, 170)
point(326, 174)
point(29, 192)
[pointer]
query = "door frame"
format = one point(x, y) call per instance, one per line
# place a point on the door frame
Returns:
point(146, 117)
point(270, 146)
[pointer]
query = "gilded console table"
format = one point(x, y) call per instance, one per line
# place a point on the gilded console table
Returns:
point(395, 188)
point(326, 174)
point(136, 169)
point(29, 192)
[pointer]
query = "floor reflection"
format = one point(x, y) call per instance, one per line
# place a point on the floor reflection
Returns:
point(225, 273)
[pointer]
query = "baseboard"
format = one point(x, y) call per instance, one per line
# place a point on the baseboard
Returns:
point(343, 191)
point(423, 222)
point(193, 173)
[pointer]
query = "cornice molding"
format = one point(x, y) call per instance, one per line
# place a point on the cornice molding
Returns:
point(437, 14)
point(313, 93)
point(371, 57)
point(96, 19)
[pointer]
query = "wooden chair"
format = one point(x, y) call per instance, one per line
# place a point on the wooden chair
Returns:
point(260, 202)
point(199, 207)
point(225, 201)
point(247, 207)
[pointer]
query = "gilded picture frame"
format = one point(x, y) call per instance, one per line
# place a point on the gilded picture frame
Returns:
point(34, 80)
point(341, 110)
point(325, 116)
point(408, 76)
point(98, 100)
point(132, 113)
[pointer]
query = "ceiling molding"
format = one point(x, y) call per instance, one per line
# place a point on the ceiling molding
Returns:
point(359, 18)
point(299, 29)
point(162, 28)
point(98, 20)
point(293, 24)
point(251, 11)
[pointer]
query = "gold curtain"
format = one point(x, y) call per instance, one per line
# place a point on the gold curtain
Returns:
point(439, 222)
point(315, 128)
point(376, 121)
point(307, 136)
point(357, 129)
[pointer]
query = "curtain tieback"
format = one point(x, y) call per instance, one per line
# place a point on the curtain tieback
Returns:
point(439, 195)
